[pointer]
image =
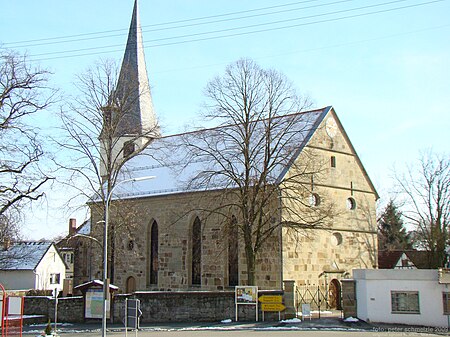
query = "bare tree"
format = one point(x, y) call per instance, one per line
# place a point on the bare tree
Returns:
point(99, 138)
point(24, 94)
point(260, 132)
point(426, 188)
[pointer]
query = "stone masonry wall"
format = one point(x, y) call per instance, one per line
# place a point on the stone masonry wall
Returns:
point(348, 237)
point(174, 215)
point(189, 306)
point(70, 309)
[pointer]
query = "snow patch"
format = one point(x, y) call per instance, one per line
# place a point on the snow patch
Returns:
point(292, 320)
point(351, 320)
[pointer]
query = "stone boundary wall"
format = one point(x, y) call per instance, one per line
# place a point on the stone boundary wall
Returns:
point(70, 309)
point(189, 306)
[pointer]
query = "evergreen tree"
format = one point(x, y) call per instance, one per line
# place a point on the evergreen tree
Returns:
point(392, 235)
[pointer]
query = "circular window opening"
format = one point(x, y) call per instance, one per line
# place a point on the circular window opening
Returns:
point(336, 239)
point(314, 200)
point(351, 204)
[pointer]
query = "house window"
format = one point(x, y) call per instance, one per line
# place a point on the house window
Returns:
point(54, 278)
point(154, 253)
point(405, 302)
point(333, 161)
point(446, 303)
point(233, 254)
point(196, 266)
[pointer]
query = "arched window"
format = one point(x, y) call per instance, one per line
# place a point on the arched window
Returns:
point(233, 254)
point(196, 267)
point(154, 253)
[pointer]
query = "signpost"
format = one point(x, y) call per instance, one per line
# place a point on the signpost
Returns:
point(55, 293)
point(272, 303)
point(132, 314)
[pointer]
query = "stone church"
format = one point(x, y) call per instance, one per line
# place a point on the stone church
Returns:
point(172, 241)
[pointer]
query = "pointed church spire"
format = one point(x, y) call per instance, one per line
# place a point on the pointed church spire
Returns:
point(133, 88)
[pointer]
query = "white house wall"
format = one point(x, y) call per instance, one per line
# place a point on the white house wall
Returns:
point(50, 264)
point(373, 294)
point(17, 279)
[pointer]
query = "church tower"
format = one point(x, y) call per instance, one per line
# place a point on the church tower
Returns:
point(129, 121)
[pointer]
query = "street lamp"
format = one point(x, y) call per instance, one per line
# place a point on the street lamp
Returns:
point(105, 248)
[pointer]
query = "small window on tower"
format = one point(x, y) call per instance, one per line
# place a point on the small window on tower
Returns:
point(333, 161)
point(128, 149)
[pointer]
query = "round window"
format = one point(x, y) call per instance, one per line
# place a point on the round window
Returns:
point(314, 200)
point(336, 239)
point(351, 204)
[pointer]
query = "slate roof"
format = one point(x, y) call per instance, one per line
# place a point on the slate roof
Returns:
point(23, 255)
point(133, 85)
point(165, 158)
point(388, 259)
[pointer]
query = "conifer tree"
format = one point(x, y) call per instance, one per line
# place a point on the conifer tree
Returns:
point(392, 235)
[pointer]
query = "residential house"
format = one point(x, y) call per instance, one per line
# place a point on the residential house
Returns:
point(32, 265)
point(403, 259)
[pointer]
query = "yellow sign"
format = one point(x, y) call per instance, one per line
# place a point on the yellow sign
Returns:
point(272, 307)
point(271, 299)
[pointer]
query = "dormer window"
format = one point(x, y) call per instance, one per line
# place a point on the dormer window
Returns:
point(128, 148)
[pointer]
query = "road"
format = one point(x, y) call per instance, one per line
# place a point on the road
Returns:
point(258, 333)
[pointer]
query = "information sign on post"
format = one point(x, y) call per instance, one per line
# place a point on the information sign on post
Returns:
point(132, 315)
point(246, 295)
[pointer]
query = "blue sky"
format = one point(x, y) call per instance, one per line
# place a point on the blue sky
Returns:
point(383, 65)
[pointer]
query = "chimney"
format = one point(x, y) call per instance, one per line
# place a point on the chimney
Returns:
point(6, 243)
point(72, 226)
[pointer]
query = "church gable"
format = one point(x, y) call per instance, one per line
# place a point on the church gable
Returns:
point(343, 167)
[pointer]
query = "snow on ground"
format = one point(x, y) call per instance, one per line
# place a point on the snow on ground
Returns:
point(351, 320)
point(292, 320)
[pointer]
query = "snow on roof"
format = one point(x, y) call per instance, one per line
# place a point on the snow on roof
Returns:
point(94, 283)
point(23, 255)
point(166, 158)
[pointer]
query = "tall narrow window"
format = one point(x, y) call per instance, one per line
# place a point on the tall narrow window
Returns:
point(446, 302)
point(196, 252)
point(333, 161)
point(154, 254)
point(233, 254)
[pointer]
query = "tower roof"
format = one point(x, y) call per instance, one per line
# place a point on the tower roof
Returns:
point(133, 89)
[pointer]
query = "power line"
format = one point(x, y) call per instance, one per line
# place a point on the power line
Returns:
point(165, 23)
point(191, 24)
point(245, 27)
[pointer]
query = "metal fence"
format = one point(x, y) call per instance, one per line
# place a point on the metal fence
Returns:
point(315, 296)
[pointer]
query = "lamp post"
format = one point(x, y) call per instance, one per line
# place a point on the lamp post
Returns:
point(105, 248)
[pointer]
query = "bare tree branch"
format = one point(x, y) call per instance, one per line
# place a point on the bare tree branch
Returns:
point(260, 131)
point(23, 94)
